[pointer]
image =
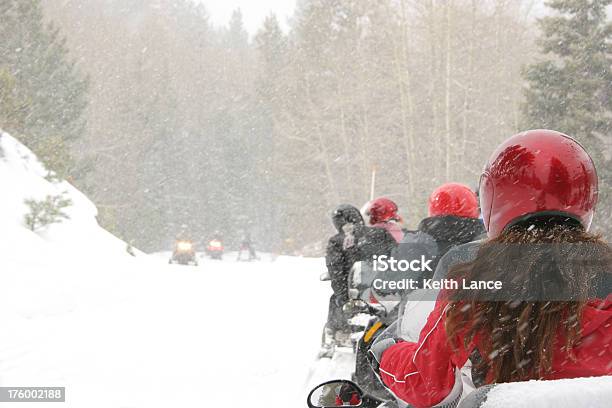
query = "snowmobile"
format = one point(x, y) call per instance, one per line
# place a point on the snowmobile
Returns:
point(368, 318)
point(214, 249)
point(363, 312)
point(381, 315)
point(359, 315)
point(184, 253)
point(247, 248)
point(557, 393)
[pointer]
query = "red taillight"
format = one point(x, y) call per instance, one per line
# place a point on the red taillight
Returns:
point(373, 300)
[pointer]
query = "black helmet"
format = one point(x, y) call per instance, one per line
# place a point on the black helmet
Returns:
point(346, 214)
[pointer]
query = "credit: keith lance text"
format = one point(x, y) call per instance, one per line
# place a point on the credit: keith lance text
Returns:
point(412, 284)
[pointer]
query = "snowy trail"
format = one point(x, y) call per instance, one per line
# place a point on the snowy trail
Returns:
point(150, 334)
point(120, 331)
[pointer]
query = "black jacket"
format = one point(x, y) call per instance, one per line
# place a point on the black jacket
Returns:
point(354, 244)
point(458, 255)
point(449, 231)
point(434, 238)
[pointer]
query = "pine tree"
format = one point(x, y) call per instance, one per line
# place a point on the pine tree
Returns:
point(46, 88)
point(270, 98)
point(237, 37)
point(12, 111)
point(48, 211)
point(571, 91)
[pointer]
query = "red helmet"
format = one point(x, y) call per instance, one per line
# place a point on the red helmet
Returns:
point(381, 210)
point(453, 199)
point(537, 172)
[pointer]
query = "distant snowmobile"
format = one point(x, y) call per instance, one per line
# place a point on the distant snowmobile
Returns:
point(214, 249)
point(184, 253)
point(246, 246)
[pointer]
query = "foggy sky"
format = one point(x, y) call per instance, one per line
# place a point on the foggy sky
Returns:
point(253, 11)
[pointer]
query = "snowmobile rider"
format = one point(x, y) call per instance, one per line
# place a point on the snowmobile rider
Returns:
point(382, 213)
point(246, 244)
point(553, 317)
point(354, 242)
point(453, 220)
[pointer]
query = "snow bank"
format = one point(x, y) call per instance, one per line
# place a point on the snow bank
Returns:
point(23, 177)
point(41, 270)
point(594, 392)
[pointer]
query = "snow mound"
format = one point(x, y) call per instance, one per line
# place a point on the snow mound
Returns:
point(23, 177)
point(40, 270)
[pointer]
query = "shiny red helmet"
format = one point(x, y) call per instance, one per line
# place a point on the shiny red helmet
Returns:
point(537, 172)
point(381, 210)
point(453, 199)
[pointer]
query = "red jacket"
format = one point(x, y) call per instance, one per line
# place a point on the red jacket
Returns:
point(423, 373)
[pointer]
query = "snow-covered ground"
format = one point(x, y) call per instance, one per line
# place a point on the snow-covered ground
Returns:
point(76, 310)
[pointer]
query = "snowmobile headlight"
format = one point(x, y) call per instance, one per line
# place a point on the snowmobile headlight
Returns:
point(215, 244)
point(184, 246)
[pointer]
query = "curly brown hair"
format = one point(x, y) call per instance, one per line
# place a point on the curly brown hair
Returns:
point(516, 338)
